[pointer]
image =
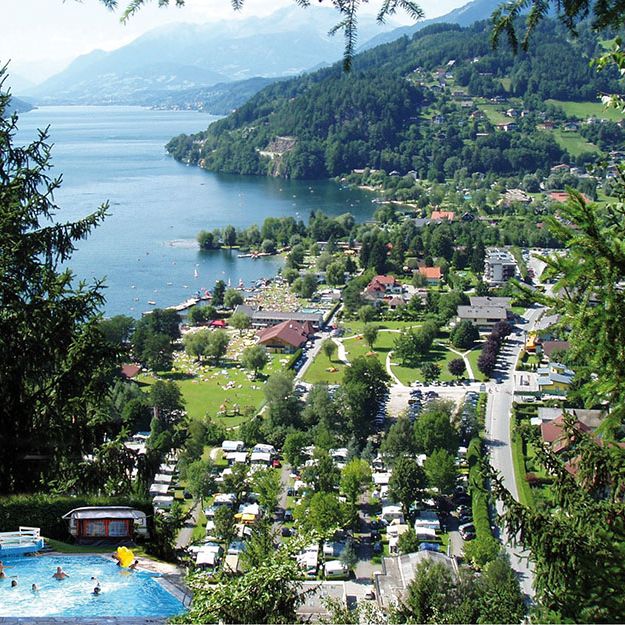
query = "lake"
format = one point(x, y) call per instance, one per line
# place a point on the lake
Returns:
point(146, 248)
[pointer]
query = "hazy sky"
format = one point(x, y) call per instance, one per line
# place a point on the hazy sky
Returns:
point(40, 37)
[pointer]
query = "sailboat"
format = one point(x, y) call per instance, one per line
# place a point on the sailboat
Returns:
point(195, 273)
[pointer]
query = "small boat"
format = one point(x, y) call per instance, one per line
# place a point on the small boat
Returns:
point(195, 273)
point(151, 302)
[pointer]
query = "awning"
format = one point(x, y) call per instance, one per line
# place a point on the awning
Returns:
point(105, 513)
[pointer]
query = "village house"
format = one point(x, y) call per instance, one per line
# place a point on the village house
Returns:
point(484, 317)
point(442, 215)
point(381, 287)
point(554, 378)
point(432, 275)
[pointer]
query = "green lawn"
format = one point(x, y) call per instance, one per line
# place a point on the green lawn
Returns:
point(318, 371)
point(472, 356)
point(494, 115)
point(583, 110)
point(438, 354)
point(574, 143)
point(205, 392)
point(355, 327)
point(63, 547)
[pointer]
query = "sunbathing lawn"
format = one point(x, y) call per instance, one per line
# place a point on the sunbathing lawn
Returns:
point(318, 371)
point(438, 354)
point(383, 345)
point(205, 389)
point(355, 327)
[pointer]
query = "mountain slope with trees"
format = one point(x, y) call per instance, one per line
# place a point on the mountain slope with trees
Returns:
point(385, 113)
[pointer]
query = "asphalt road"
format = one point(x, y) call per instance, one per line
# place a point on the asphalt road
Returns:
point(498, 414)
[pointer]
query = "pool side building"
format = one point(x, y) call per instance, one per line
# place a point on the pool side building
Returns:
point(114, 524)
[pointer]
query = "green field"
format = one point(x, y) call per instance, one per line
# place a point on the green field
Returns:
point(206, 392)
point(472, 356)
point(383, 345)
point(319, 370)
point(574, 143)
point(439, 354)
point(583, 110)
point(494, 115)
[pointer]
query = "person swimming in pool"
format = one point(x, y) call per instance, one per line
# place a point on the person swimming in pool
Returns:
point(13, 583)
point(134, 565)
point(97, 590)
point(3, 575)
point(34, 588)
point(60, 573)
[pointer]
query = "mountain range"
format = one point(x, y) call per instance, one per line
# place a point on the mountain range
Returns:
point(180, 57)
point(469, 13)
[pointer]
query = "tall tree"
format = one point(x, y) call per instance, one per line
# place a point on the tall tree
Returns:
point(440, 468)
point(55, 362)
point(370, 334)
point(240, 321)
point(407, 483)
point(355, 479)
point(254, 358)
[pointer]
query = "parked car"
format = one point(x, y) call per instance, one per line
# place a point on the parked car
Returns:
point(285, 531)
point(288, 515)
point(466, 529)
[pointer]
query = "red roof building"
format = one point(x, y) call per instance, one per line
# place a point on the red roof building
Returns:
point(218, 323)
point(441, 215)
point(553, 432)
point(381, 286)
point(287, 336)
point(130, 371)
point(433, 275)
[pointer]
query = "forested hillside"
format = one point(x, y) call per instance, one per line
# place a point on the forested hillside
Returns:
point(412, 104)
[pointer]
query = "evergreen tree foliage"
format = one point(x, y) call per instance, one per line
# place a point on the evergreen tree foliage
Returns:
point(55, 362)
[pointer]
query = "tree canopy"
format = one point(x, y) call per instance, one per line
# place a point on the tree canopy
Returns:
point(55, 361)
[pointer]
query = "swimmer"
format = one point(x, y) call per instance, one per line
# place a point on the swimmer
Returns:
point(13, 583)
point(2, 567)
point(34, 588)
point(97, 590)
point(134, 565)
point(60, 573)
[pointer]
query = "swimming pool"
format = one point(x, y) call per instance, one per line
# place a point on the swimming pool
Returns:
point(124, 593)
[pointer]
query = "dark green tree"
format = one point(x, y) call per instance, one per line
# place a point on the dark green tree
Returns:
point(464, 335)
point(407, 483)
point(219, 291)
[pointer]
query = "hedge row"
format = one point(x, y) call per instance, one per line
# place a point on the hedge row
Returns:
point(45, 511)
point(485, 546)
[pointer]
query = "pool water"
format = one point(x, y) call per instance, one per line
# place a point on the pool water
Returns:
point(124, 593)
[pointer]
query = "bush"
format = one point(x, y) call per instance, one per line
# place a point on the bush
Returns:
point(485, 547)
point(45, 511)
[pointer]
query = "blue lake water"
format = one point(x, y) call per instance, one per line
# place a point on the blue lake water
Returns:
point(124, 593)
point(158, 206)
